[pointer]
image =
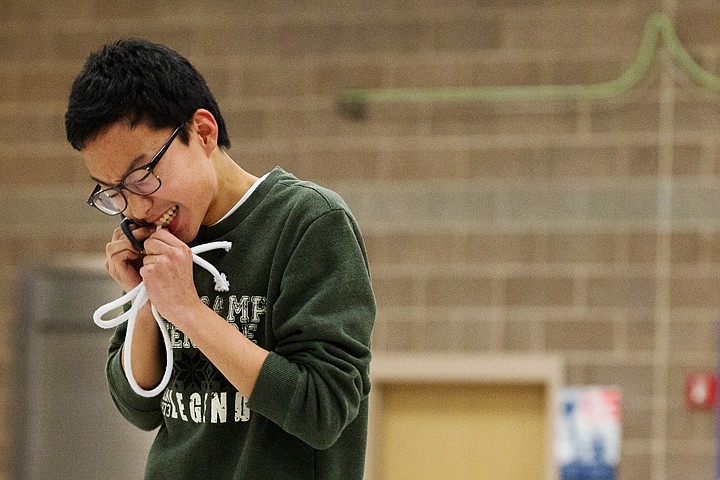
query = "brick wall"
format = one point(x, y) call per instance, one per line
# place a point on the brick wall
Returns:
point(585, 228)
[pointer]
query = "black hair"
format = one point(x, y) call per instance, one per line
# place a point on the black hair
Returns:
point(137, 81)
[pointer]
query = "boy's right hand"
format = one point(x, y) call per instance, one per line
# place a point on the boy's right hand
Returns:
point(122, 260)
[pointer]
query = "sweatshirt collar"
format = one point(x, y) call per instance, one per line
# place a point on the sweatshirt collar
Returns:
point(229, 223)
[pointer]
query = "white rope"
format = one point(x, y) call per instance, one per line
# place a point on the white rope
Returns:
point(138, 297)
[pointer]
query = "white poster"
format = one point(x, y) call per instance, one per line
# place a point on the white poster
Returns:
point(588, 433)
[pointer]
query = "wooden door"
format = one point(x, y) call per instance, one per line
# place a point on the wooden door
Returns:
point(463, 431)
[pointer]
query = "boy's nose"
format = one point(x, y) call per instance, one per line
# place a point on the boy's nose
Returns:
point(139, 207)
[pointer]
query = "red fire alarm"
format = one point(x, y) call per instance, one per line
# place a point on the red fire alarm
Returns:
point(701, 390)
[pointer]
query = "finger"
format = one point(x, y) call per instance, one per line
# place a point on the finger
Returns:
point(165, 236)
point(162, 240)
point(139, 234)
point(121, 246)
point(117, 234)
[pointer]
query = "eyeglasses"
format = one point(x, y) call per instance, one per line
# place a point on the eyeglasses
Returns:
point(140, 181)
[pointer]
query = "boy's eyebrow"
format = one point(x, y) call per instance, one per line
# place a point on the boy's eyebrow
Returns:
point(136, 163)
point(101, 182)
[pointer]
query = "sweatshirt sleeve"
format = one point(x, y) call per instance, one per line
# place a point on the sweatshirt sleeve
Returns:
point(313, 382)
point(142, 412)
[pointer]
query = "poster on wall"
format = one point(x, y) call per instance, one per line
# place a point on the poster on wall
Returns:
point(588, 433)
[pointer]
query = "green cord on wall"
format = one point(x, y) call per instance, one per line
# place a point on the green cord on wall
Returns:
point(353, 100)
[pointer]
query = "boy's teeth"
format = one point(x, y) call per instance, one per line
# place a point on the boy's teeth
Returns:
point(167, 217)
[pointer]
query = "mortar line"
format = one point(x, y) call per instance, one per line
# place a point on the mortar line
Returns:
point(663, 264)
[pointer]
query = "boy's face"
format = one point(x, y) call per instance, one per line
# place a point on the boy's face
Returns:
point(182, 202)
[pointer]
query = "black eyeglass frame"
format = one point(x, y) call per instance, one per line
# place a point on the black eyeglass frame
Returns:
point(149, 167)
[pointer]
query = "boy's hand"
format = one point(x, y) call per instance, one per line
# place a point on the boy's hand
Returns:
point(168, 274)
point(122, 260)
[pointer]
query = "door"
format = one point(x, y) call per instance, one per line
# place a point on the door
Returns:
point(463, 431)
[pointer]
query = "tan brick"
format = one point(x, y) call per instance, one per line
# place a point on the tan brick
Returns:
point(697, 201)
point(463, 119)
point(504, 163)
point(545, 162)
point(581, 161)
point(400, 336)
point(697, 116)
point(635, 465)
point(713, 160)
point(643, 161)
point(471, 34)
point(394, 332)
point(636, 418)
point(35, 85)
point(501, 248)
point(459, 291)
point(505, 71)
point(37, 9)
point(685, 424)
point(432, 73)
point(479, 335)
point(413, 206)
point(712, 246)
point(631, 117)
point(635, 203)
point(29, 171)
point(555, 205)
point(574, 31)
point(268, 80)
point(253, 124)
point(449, 248)
point(26, 126)
point(687, 160)
point(422, 165)
point(394, 291)
point(586, 71)
point(419, 249)
point(691, 465)
point(385, 120)
point(522, 335)
point(695, 24)
point(698, 291)
point(329, 78)
point(692, 335)
point(630, 378)
point(332, 166)
point(581, 248)
point(639, 333)
point(74, 47)
point(686, 248)
point(539, 291)
point(579, 335)
point(259, 163)
point(641, 248)
point(250, 38)
point(439, 335)
point(513, 118)
point(391, 36)
point(621, 292)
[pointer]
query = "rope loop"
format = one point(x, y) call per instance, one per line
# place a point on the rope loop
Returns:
point(138, 297)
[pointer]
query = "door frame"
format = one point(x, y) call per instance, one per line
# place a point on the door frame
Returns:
point(458, 368)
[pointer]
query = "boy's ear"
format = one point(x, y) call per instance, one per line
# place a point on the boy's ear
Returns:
point(207, 128)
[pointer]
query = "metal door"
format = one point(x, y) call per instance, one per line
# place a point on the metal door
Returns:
point(66, 424)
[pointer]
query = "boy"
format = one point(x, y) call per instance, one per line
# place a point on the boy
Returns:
point(270, 380)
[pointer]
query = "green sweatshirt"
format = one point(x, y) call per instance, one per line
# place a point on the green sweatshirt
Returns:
point(300, 288)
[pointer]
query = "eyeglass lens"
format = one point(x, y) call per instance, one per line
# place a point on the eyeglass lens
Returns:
point(110, 201)
point(140, 182)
